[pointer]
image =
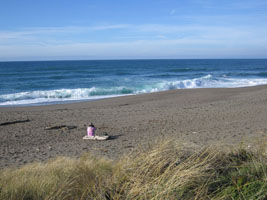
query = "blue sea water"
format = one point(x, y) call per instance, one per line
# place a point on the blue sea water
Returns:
point(46, 82)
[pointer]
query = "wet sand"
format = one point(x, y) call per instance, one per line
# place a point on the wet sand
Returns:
point(196, 116)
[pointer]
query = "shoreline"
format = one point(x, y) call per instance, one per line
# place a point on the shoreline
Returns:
point(110, 97)
point(202, 116)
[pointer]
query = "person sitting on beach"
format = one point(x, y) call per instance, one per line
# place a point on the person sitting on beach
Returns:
point(91, 130)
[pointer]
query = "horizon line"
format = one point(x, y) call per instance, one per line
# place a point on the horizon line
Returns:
point(125, 59)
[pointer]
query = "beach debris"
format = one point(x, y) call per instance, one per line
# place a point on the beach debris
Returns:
point(14, 122)
point(62, 127)
point(129, 147)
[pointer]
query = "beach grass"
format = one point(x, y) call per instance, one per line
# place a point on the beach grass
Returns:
point(164, 170)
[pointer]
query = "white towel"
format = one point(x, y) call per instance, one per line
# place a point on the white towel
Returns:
point(96, 137)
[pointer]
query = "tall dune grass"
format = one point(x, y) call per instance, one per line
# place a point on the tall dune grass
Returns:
point(168, 170)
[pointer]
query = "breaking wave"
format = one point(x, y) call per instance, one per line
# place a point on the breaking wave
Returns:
point(80, 94)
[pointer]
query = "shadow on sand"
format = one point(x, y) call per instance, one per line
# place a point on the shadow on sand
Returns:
point(113, 137)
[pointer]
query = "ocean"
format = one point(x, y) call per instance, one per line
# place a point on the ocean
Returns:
point(52, 82)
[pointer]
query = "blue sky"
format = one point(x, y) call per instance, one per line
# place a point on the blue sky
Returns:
point(140, 29)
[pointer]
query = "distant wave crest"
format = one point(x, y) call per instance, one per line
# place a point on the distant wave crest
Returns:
point(49, 96)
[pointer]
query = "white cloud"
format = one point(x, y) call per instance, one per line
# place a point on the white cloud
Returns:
point(157, 29)
point(39, 31)
point(108, 27)
point(136, 41)
point(164, 48)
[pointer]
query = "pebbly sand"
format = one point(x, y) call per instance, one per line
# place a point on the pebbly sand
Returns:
point(199, 116)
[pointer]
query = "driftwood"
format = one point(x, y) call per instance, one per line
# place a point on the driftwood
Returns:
point(60, 127)
point(14, 122)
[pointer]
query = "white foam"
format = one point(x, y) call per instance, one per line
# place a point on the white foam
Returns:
point(210, 82)
point(50, 96)
point(80, 94)
point(39, 101)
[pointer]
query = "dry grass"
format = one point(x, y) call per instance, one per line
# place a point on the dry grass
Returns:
point(63, 178)
point(168, 170)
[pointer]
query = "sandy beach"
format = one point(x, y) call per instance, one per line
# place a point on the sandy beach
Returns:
point(199, 116)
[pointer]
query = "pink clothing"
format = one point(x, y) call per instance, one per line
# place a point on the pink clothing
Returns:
point(91, 131)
